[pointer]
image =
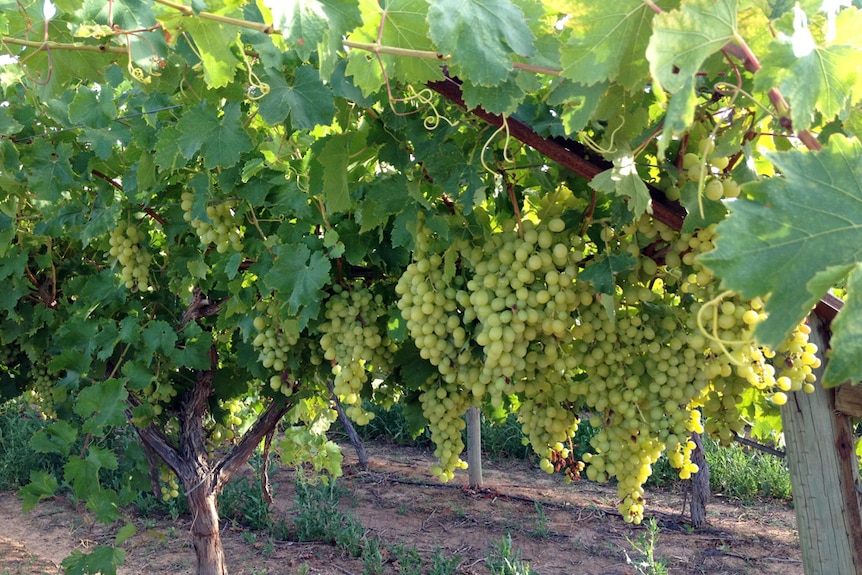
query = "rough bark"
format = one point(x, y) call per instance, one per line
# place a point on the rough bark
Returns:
point(355, 440)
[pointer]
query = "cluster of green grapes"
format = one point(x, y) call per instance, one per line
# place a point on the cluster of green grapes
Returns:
point(735, 363)
point(708, 168)
point(227, 428)
point(496, 322)
point(223, 230)
point(355, 340)
point(443, 405)
point(274, 340)
point(642, 377)
point(128, 248)
point(40, 391)
point(170, 487)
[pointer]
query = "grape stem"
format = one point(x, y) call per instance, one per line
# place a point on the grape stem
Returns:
point(713, 335)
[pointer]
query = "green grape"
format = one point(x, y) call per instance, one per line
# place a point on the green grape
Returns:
point(275, 340)
point(354, 339)
point(169, 486)
point(129, 250)
point(40, 389)
point(223, 230)
point(714, 190)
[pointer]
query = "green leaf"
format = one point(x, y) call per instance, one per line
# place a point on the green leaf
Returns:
point(125, 533)
point(309, 25)
point(334, 158)
point(102, 458)
point(607, 42)
point(825, 81)
point(481, 36)
point(103, 402)
point(103, 559)
point(382, 200)
point(140, 376)
point(214, 42)
point(50, 172)
point(787, 229)
point(57, 437)
point(82, 475)
point(220, 140)
point(845, 359)
point(601, 273)
point(105, 504)
point(158, 336)
point(679, 115)
point(299, 276)
point(683, 39)
point(93, 108)
point(307, 101)
point(404, 25)
point(42, 485)
point(194, 354)
point(713, 212)
point(623, 180)
point(503, 98)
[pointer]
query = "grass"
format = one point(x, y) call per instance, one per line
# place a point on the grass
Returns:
point(644, 560)
point(18, 423)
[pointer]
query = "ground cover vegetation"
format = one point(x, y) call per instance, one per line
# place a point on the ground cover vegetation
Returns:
point(215, 214)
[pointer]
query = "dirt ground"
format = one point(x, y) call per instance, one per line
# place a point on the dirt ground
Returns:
point(558, 528)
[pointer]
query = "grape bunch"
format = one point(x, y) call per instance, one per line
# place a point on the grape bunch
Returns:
point(443, 405)
point(40, 391)
point(129, 249)
point(275, 340)
point(170, 487)
point(354, 339)
point(494, 318)
point(223, 230)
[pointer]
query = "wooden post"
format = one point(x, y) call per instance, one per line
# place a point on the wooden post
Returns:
point(474, 447)
point(699, 484)
point(824, 473)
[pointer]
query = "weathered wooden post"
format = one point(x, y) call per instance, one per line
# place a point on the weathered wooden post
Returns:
point(474, 447)
point(824, 473)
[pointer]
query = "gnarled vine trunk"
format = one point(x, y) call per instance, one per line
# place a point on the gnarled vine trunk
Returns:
point(203, 478)
point(205, 529)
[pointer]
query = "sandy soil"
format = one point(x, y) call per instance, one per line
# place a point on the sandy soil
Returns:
point(558, 528)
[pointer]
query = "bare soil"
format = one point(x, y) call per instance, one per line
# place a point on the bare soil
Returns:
point(558, 528)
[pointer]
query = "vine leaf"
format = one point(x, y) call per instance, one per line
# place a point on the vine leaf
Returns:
point(623, 180)
point(787, 230)
point(826, 80)
point(608, 42)
point(220, 140)
point(683, 39)
point(299, 276)
point(93, 108)
point(214, 41)
point(844, 360)
point(311, 26)
point(42, 485)
point(404, 25)
point(334, 157)
point(103, 403)
point(481, 36)
point(308, 102)
point(57, 437)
